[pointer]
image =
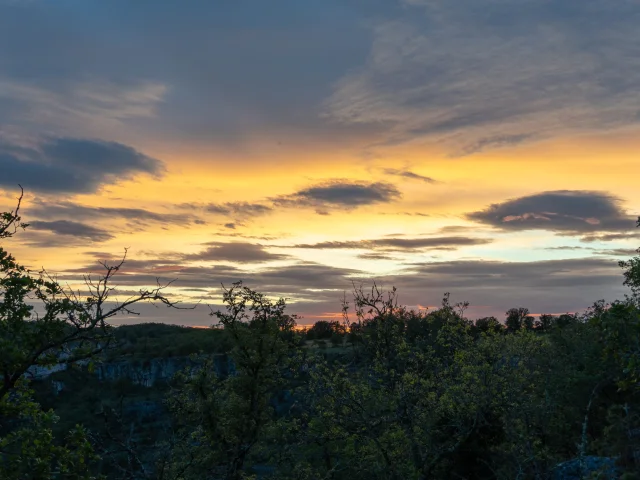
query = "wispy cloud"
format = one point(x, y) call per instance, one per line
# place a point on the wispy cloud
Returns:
point(238, 209)
point(409, 174)
point(399, 244)
point(611, 237)
point(482, 75)
point(84, 106)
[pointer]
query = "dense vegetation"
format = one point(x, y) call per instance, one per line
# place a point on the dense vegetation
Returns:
point(384, 393)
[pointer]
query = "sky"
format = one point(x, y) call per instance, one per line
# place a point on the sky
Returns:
point(487, 149)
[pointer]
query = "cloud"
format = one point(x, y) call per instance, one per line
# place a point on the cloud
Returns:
point(491, 286)
point(240, 252)
point(73, 229)
point(238, 209)
point(399, 244)
point(457, 229)
point(558, 211)
point(71, 210)
point(87, 106)
point(539, 274)
point(375, 256)
point(237, 212)
point(409, 174)
point(183, 77)
point(308, 281)
point(611, 237)
point(619, 252)
point(493, 142)
point(340, 194)
point(567, 248)
point(475, 76)
point(484, 75)
point(72, 165)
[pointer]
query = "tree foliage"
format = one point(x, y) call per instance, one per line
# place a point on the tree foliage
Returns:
point(43, 325)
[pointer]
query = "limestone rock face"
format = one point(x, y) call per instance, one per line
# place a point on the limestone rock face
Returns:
point(147, 373)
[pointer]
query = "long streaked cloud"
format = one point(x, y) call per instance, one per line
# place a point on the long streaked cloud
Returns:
point(236, 252)
point(71, 210)
point(491, 286)
point(73, 229)
point(559, 211)
point(399, 244)
point(611, 237)
point(619, 252)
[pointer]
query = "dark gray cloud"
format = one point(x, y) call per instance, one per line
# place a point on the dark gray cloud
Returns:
point(409, 174)
point(73, 229)
point(558, 211)
point(340, 194)
point(72, 165)
point(400, 244)
point(482, 75)
point(240, 252)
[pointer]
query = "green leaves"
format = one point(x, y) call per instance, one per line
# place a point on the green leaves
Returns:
point(223, 419)
point(30, 451)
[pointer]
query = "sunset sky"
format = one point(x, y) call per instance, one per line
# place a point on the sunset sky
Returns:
point(485, 148)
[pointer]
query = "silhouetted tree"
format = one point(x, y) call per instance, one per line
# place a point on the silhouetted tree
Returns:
point(488, 325)
point(545, 322)
point(517, 319)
